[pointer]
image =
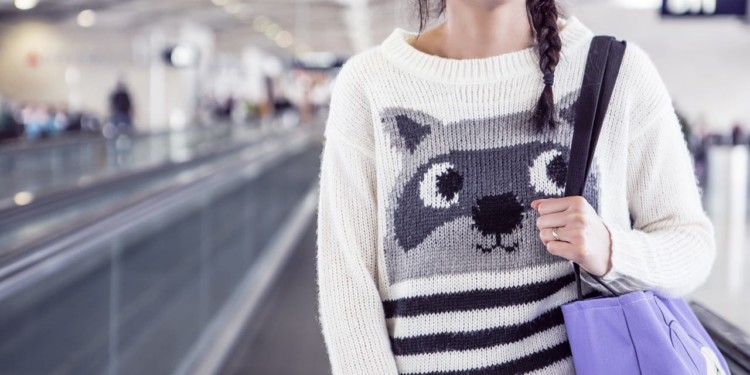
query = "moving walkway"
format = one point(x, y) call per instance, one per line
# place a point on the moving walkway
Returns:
point(204, 267)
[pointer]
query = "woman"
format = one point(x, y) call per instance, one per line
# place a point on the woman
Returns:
point(444, 240)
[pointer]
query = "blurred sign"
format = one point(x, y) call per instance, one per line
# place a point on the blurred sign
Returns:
point(704, 7)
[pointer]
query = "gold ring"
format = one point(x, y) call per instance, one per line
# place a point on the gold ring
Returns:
point(554, 234)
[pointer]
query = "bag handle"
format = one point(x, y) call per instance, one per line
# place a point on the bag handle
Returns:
point(602, 66)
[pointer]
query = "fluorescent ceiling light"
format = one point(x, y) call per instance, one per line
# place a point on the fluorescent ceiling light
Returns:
point(26, 4)
point(260, 23)
point(234, 8)
point(639, 4)
point(86, 18)
point(284, 39)
point(23, 198)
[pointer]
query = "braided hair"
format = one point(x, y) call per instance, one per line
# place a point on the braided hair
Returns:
point(543, 19)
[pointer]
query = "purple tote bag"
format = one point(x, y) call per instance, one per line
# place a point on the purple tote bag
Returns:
point(638, 332)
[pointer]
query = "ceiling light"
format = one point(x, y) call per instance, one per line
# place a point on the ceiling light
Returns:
point(639, 4)
point(284, 39)
point(260, 23)
point(271, 30)
point(23, 198)
point(233, 8)
point(86, 18)
point(26, 4)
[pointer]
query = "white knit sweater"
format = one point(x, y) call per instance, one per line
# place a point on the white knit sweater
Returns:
point(429, 259)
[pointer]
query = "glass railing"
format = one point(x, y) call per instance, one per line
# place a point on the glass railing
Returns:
point(35, 169)
point(45, 212)
point(132, 293)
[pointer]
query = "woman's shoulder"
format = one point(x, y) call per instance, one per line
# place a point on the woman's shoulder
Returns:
point(361, 66)
point(642, 82)
point(637, 66)
point(637, 60)
point(350, 102)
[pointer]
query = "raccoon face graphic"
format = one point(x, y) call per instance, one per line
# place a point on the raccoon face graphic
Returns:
point(492, 189)
point(461, 200)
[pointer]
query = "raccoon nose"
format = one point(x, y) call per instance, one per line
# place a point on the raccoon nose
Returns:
point(497, 214)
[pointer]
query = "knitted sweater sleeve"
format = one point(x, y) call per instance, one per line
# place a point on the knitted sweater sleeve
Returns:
point(670, 248)
point(350, 308)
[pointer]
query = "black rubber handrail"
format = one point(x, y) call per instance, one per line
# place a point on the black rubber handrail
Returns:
point(98, 226)
point(18, 146)
point(12, 216)
point(733, 342)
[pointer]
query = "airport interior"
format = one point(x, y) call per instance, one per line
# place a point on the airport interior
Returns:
point(160, 161)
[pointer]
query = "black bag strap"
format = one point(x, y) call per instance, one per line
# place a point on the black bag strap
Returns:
point(602, 66)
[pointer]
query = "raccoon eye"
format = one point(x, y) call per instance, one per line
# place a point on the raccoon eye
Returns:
point(440, 185)
point(547, 173)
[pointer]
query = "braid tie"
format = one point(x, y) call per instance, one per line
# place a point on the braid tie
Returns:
point(549, 78)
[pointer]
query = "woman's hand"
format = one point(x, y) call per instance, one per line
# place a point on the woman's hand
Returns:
point(584, 238)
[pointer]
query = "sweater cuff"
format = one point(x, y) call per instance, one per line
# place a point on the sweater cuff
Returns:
point(625, 255)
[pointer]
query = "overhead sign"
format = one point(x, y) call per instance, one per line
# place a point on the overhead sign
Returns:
point(704, 7)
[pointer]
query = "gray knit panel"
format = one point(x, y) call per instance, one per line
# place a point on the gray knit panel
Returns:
point(461, 202)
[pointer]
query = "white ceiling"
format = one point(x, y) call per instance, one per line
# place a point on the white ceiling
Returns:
point(703, 61)
point(340, 26)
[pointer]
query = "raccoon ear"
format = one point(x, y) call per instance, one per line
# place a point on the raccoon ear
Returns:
point(408, 128)
point(567, 107)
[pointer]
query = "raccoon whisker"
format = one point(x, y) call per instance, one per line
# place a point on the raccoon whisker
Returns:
point(511, 248)
point(484, 249)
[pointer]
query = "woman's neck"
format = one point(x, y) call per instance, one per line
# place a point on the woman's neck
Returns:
point(478, 28)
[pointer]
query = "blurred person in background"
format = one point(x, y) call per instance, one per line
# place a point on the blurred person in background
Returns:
point(444, 240)
point(60, 119)
point(320, 94)
point(739, 135)
point(265, 107)
point(37, 121)
point(121, 107)
point(699, 143)
point(223, 108)
point(9, 127)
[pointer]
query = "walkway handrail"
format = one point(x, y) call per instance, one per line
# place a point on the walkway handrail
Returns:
point(36, 260)
point(12, 214)
point(730, 339)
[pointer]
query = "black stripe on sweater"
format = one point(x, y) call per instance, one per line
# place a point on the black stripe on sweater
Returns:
point(526, 364)
point(442, 342)
point(475, 299)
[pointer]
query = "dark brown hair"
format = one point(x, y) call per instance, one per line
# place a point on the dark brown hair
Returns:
point(543, 19)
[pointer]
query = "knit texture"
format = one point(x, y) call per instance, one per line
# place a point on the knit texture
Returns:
point(429, 260)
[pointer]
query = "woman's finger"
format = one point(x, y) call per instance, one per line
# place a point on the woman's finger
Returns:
point(551, 205)
point(546, 235)
point(566, 250)
point(557, 219)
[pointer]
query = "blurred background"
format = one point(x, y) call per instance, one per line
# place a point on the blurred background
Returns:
point(159, 164)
